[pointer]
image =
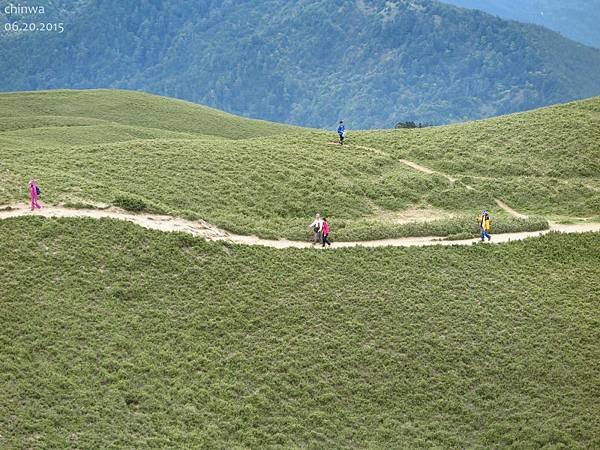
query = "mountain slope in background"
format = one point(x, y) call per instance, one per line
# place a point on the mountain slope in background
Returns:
point(372, 63)
point(576, 19)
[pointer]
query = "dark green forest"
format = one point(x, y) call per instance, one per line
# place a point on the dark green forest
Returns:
point(372, 63)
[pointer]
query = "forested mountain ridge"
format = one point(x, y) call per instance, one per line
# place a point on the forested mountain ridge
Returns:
point(576, 19)
point(373, 63)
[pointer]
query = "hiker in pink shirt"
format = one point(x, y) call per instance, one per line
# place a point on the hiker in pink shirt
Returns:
point(33, 193)
point(325, 234)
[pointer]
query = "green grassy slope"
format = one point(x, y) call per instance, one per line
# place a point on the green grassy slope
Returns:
point(113, 336)
point(268, 186)
point(134, 109)
point(543, 162)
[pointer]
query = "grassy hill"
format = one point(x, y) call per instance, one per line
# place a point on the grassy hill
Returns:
point(114, 336)
point(254, 177)
point(545, 161)
point(148, 112)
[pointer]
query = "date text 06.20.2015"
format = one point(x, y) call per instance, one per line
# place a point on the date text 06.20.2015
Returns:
point(56, 27)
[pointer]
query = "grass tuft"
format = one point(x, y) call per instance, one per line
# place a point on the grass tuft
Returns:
point(133, 204)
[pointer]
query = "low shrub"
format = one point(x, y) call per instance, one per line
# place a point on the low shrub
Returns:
point(79, 205)
point(130, 203)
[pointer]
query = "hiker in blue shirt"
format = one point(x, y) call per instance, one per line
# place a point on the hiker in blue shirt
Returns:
point(341, 132)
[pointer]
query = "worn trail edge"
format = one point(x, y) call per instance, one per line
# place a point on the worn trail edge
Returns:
point(211, 233)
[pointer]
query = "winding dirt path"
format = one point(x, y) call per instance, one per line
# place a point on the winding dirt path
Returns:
point(509, 210)
point(211, 233)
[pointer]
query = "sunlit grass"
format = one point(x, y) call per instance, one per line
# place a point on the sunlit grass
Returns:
point(269, 180)
point(545, 161)
point(114, 336)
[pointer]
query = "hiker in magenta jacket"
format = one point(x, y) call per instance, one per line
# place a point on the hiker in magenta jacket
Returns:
point(326, 232)
point(33, 193)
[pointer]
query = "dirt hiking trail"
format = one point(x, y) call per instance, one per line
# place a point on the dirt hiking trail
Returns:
point(211, 233)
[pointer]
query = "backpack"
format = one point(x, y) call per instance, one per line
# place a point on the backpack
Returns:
point(38, 191)
point(486, 218)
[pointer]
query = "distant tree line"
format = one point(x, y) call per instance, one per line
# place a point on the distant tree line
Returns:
point(411, 124)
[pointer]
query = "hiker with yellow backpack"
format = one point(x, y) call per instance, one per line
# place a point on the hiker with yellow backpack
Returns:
point(485, 225)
